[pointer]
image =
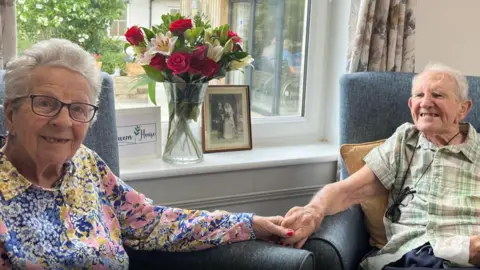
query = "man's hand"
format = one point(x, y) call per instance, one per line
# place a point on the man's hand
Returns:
point(304, 221)
point(269, 229)
point(474, 257)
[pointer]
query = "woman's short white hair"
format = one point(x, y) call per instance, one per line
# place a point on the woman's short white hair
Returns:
point(51, 52)
point(460, 79)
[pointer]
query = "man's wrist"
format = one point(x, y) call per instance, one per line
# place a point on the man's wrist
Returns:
point(318, 213)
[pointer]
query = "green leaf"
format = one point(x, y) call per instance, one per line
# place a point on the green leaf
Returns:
point(148, 33)
point(151, 92)
point(125, 47)
point(190, 36)
point(154, 73)
point(141, 80)
point(240, 55)
point(197, 31)
point(166, 20)
point(224, 34)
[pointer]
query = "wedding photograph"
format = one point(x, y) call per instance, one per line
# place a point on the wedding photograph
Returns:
point(226, 121)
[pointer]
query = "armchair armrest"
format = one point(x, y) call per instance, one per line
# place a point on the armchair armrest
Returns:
point(241, 255)
point(341, 242)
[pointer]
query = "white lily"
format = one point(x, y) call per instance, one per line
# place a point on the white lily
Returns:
point(163, 44)
point(144, 58)
point(234, 65)
point(208, 35)
point(215, 51)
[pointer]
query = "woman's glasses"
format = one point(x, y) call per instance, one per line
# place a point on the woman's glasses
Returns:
point(393, 212)
point(50, 107)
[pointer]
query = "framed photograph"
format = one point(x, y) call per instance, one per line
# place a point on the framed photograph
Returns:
point(139, 132)
point(226, 119)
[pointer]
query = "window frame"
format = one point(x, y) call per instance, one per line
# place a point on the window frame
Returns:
point(285, 129)
point(127, 23)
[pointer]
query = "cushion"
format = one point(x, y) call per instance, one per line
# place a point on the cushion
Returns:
point(373, 208)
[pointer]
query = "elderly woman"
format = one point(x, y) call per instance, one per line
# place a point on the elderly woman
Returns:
point(431, 169)
point(60, 205)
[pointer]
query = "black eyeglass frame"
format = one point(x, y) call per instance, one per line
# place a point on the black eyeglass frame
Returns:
point(62, 104)
point(393, 212)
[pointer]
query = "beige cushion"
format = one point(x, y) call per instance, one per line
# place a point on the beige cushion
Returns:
point(373, 208)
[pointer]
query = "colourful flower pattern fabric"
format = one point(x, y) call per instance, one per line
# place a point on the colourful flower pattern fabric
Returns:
point(89, 215)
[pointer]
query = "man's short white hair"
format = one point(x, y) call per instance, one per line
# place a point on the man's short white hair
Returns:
point(460, 79)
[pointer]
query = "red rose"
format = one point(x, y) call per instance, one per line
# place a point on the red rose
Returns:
point(199, 52)
point(234, 36)
point(158, 62)
point(179, 62)
point(134, 35)
point(210, 68)
point(179, 26)
point(196, 66)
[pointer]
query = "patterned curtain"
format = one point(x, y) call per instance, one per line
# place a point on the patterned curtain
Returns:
point(8, 32)
point(382, 35)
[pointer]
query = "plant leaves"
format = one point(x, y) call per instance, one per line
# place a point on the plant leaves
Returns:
point(190, 35)
point(151, 92)
point(140, 80)
point(125, 47)
point(240, 55)
point(148, 33)
point(224, 34)
point(154, 73)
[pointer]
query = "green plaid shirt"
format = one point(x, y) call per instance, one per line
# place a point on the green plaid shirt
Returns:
point(447, 198)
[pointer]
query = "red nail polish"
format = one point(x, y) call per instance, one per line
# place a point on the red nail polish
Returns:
point(290, 233)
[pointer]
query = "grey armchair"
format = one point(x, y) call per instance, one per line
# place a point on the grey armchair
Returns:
point(102, 138)
point(372, 106)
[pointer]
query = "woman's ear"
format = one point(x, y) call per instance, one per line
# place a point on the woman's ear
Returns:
point(8, 110)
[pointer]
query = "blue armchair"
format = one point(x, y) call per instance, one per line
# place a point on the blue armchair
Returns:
point(372, 106)
point(102, 138)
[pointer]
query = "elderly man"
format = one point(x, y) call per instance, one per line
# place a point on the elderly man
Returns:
point(431, 170)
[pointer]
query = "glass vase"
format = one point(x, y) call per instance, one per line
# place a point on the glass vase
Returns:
point(185, 101)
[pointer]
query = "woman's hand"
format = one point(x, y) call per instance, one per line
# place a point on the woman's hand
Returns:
point(269, 229)
point(304, 221)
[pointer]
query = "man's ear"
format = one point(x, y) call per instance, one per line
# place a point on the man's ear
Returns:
point(8, 110)
point(464, 109)
point(410, 103)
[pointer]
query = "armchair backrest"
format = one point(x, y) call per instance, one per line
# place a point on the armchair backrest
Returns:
point(374, 104)
point(102, 135)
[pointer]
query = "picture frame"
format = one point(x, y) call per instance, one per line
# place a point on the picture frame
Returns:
point(226, 121)
point(139, 132)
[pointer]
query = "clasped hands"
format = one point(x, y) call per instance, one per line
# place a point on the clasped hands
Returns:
point(293, 229)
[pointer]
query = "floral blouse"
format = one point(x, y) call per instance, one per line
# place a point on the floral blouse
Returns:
point(89, 215)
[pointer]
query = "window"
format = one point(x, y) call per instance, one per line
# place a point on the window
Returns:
point(275, 41)
point(285, 84)
point(174, 10)
point(119, 26)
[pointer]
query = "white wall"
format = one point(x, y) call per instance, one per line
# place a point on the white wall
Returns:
point(139, 11)
point(266, 191)
point(448, 31)
point(162, 7)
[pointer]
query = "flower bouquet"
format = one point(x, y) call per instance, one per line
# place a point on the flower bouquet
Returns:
point(185, 55)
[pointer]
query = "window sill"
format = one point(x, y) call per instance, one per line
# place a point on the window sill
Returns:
point(259, 157)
